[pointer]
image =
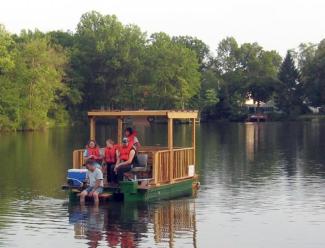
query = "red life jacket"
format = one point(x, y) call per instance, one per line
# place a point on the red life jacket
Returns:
point(110, 154)
point(132, 141)
point(125, 152)
point(93, 152)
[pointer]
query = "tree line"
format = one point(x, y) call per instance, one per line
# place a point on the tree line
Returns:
point(53, 78)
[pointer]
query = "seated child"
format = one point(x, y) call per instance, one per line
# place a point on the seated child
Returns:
point(92, 152)
point(110, 156)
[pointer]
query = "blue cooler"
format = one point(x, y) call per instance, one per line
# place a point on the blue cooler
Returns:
point(76, 177)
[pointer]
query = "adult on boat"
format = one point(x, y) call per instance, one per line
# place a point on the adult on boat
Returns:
point(125, 159)
point(92, 152)
point(95, 182)
point(131, 135)
point(110, 157)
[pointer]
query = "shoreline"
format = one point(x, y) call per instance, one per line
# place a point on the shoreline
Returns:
point(305, 117)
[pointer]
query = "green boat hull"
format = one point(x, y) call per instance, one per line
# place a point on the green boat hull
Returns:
point(129, 192)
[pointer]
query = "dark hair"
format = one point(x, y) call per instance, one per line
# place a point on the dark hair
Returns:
point(129, 129)
point(90, 162)
point(92, 141)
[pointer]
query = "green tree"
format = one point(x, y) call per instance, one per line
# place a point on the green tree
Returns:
point(9, 89)
point(39, 72)
point(312, 64)
point(289, 93)
point(107, 61)
point(210, 87)
point(172, 73)
point(262, 89)
point(260, 69)
point(64, 39)
point(201, 50)
point(227, 66)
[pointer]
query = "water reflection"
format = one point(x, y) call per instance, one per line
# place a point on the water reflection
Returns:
point(169, 224)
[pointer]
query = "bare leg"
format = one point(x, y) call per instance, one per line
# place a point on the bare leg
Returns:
point(83, 196)
point(96, 198)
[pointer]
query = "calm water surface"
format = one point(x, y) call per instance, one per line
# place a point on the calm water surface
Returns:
point(262, 186)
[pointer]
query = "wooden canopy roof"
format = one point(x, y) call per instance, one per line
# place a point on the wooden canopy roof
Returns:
point(170, 114)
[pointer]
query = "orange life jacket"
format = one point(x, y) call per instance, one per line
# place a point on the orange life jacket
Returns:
point(131, 140)
point(125, 152)
point(110, 154)
point(93, 152)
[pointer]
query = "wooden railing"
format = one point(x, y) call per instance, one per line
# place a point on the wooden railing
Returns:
point(182, 158)
point(161, 167)
point(159, 163)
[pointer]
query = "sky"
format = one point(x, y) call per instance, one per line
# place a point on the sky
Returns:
point(275, 24)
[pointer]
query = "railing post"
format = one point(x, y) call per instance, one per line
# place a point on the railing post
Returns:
point(193, 139)
point(74, 160)
point(155, 168)
point(170, 148)
point(77, 159)
point(119, 130)
point(92, 128)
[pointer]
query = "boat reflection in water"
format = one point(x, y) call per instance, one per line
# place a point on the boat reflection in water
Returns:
point(164, 224)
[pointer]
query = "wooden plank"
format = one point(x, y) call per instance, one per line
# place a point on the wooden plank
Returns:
point(92, 128)
point(183, 178)
point(119, 130)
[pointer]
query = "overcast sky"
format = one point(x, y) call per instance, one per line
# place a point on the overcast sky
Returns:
point(274, 24)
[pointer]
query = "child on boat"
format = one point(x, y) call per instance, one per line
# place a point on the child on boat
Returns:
point(92, 152)
point(95, 182)
point(110, 157)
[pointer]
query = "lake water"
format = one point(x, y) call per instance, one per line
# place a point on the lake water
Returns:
point(261, 186)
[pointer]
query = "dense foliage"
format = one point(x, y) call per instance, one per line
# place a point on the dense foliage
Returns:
point(52, 78)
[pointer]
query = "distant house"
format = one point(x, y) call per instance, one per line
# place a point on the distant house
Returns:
point(314, 110)
point(267, 107)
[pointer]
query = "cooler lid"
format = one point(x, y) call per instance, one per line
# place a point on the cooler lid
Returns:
point(77, 170)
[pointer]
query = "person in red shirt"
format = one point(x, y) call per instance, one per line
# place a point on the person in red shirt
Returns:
point(110, 157)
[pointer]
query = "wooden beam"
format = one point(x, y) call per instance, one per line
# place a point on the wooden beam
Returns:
point(193, 139)
point(92, 128)
point(128, 113)
point(182, 114)
point(170, 148)
point(119, 130)
point(167, 113)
